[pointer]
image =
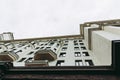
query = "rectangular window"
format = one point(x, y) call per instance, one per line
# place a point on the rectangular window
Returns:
point(28, 46)
point(89, 63)
point(41, 47)
point(75, 44)
point(37, 47)
point(22, 59)
point(33, 43)
point(81, 43)
point(62, 54)
point(80, 40)
point(55, 40)
point(64, 48)
point(46, 44)
point(65, 44)
point(51, 43)
point(60, 63)
point(85, 54)
point(48, 48)
point(14, 49)
point(57, 45)
point(25, 47)
point(41, 44)
point(83, 48)
point(78, 63)
point(75, 41)
point(30, 53)
point(55, 49)
point(18, 51)
point(29, 59)
point(66, 41)
point(76, 48)
point(77, 54)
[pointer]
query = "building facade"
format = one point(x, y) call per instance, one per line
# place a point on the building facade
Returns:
point(94, 47)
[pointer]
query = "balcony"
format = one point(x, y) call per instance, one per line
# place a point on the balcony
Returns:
point(7, 56)
point(45, 55)
point(36, 63)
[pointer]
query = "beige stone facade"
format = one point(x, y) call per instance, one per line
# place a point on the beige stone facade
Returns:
point(91, 48)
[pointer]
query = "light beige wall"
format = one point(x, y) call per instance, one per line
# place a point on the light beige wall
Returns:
point(86, 36)
point(86, 33)
point(102, 46)
point(112, 29)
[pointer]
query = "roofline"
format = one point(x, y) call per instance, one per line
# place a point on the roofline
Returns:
point(102, 21)
point(42, 38)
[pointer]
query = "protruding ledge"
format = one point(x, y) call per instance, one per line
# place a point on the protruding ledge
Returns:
point(45, 55)
point(7, 56)
point(36, 63)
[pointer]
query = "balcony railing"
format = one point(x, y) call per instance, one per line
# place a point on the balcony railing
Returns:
point(7, 56)
point(36, 63)
point(45, 55)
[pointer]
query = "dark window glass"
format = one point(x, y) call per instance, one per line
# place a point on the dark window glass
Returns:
point(48, 48)
point(51, 43)
point(41, 47)
point(60, 63)
point(77, 54)
point(76, 48)
point(65, 44)
point(41, 44)
point(37, 47)
point(64, 48)
point(21, 59)
point(57, 45)
point(55, 49)
point(75, 41)
point(80, 40)
point(75, 44)
point(66, 41)
point(81, 43)
point(78, 63)
point(85, 54)
point(83, 48)
point(29, 59)
point(30, 53)
point(62, 54)
point(89, 63)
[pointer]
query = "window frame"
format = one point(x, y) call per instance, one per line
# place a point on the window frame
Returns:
point(62, 53)
point(77, 54)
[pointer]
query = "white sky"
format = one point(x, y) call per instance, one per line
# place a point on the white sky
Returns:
point(40, 18)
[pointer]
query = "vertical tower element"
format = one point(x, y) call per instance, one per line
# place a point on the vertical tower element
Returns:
point(6, 36)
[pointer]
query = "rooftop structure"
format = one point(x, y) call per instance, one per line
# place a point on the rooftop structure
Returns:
point(6, 36)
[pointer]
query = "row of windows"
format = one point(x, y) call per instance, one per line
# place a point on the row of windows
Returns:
point(66, 41)
point(77, 54)
point(76, 44)
point(62, 54)
point(34, 42)
point(50, 44)
point(61, 62)
point(77, 63)
point(23, 59)
point(77, 40)
point(80, 63)
point(75, 48)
